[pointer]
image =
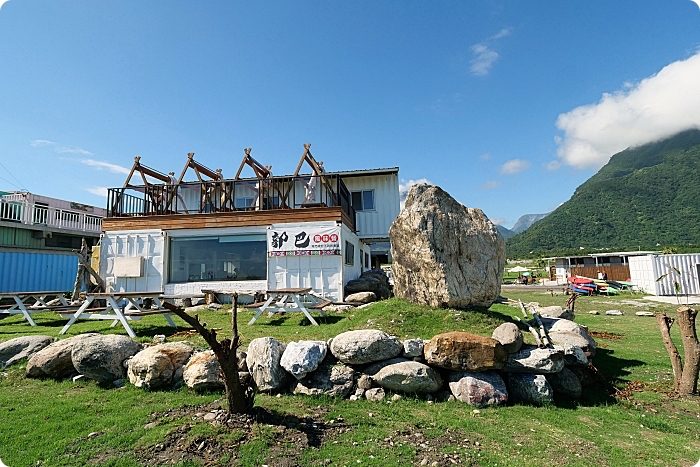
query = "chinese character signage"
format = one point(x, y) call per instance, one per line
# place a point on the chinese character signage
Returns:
point(303, 241)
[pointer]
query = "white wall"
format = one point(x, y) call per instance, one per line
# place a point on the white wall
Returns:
point(647, 270)
point(376, 223)
point(148, 245)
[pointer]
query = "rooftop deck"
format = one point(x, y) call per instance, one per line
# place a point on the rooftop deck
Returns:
point(17, 210)
point(231, 202)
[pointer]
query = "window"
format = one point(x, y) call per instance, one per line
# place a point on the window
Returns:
point(363, 200)
point(349, 253)
point(226, 258)
point(367, 266)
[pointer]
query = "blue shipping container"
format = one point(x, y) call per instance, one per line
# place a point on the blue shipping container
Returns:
point(37, 272)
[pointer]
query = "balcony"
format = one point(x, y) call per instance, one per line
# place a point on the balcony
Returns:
point(16, 210)
point(232, 196)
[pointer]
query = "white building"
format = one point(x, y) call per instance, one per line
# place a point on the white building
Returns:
point(658, 274)
point(248, 234)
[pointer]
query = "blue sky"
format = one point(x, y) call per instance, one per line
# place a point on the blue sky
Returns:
point(509, 106)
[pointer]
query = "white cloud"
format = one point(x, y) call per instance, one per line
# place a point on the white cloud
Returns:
point(59, 148)
point(553, 165)
point(404, 186)
point(483, 54)
point(99, 165)
point(514, 166)
point(2, 2)
point(485, 156)
point(98, 190)
point(483, 60)
point(490, 185)
point(498, 220)
point(655, 108)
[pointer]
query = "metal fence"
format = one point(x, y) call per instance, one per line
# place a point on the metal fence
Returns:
point(26, 213)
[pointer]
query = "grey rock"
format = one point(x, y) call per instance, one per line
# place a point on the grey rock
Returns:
point(365, 346)
point(375, 394)
point(573, 356)
point(300, 358)
point(509, 335)
point(54, 361)
point(370, 281)
point(555, 312)
point(563, 331)
point(614, 313)
point(412, 348)
point(21, 348)
point(408, 377)
point(529, 389)
point(263, 360)
point(531, 359)
point(365, 382)
point(478, 389)
point(203, 372)
point(332, 378)
point(445, 254)
point(100, 358)
point(645, 313)
point(361, 297)
point(566, 383)
point(156, 366)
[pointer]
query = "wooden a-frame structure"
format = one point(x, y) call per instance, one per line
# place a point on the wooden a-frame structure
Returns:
point(153, 195)
point(318, 171)
point(208, 186)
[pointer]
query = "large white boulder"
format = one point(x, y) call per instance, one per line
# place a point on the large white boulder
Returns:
point(263, 360)
point(300, 358)
point(54, 361)
point(101, 357)
point(445, 254)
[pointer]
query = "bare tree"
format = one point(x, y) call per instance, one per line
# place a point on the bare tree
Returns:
point(240, 396)
point(685, 375)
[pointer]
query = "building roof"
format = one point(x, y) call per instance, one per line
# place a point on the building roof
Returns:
point(366, 172)
point(599, 255)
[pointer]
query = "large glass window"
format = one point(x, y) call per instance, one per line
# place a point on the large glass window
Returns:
point(226, 258)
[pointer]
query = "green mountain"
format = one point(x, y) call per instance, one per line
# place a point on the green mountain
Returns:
point(646, 197)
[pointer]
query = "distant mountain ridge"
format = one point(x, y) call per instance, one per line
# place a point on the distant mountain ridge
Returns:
point(525, 221)
point(507, 233)
point(642, 197)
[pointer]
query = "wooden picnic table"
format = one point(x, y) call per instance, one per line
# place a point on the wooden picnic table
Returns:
point(25, 308)
point(131, 310)
point(291, 300)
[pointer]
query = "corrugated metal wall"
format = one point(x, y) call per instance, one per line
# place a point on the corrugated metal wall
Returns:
point(21, 238)
point(687, 265)
point(376, 223)
point(33, 272)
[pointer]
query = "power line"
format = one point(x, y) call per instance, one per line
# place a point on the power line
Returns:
point(13, 176)
point(12, 183)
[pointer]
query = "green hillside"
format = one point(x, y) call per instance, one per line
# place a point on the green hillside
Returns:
point(643, 197)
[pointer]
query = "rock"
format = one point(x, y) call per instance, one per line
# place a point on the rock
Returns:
point(203, 372)
point(530, 359)
point(555, 312)
point(445, 254)
point(54, 361)
point(300, 358)
point(594, 312)
point(396, 397)
point(614, 313)
point(155, 367)
point(332, 378)
point(408, 377)
point(375, 394)
point(263, 360)
point(365, 346)
point(509, 335)
point(337, 308)
point(215, 306)
point(563, 332)
point(465, 351)
point(361, 297)
point(644, 313)
point(529, 389)
point(413, 348)
point(478, 389)
point(100, 357)
point(565, 383)
point(375, 281)
point(573, 356)
point(589, 377)
point(365, 382)
point(21, 348)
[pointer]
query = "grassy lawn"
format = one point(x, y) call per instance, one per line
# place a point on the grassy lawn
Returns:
point(64, 423)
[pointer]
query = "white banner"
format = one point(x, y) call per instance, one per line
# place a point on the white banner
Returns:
point(303, 241)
